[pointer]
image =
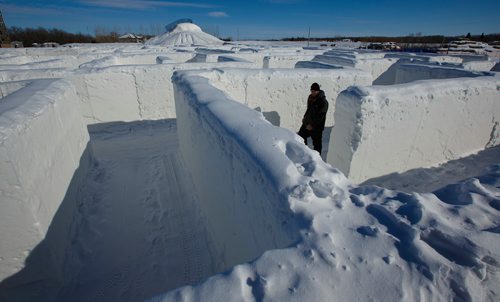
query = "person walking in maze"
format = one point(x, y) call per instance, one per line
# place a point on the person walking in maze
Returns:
point(314, 119)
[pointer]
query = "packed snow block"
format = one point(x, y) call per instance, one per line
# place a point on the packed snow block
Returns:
point(311, 64)
point(131, 93)
point(7, 88)
point(281, 94)
point(163, 59)
point(62, 62)
point(108, 96)
point(356, 54)
point(198, 58)
point(428, 57)
point(231, 59)
point(389, 129)
point(413, 72)
point(479, 65)
point(42, 138)
point(30, 74)
point(496, 67)
point(285, 60)
point(374, 65)
point(100, 62)
point(236, 171)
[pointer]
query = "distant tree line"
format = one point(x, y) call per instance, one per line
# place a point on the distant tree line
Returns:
point(417, 38)
point(41, 35)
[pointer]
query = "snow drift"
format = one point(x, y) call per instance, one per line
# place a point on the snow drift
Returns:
point(185, 34)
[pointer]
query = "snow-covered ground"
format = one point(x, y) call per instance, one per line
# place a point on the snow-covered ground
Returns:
point(173, 173)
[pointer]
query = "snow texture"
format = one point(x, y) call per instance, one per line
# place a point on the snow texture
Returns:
point(129, 173)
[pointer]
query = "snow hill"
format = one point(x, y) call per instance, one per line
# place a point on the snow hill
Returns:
point(173, 173)
point(184, 34)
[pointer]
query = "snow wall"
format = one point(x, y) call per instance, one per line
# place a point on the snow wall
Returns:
point(281, 94)
point(42, 139)
point(375, 65)
point(233, 167)
point(131, 93)
point(442, 120)
point(410, 72)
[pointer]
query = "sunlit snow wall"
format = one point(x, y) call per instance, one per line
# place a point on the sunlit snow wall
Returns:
point(246, 211)
point(388, 129)
point(131, 93)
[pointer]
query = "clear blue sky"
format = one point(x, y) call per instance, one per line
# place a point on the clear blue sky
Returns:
point(262, 19)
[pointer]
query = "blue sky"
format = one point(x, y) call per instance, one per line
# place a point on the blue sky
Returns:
point(262, 19)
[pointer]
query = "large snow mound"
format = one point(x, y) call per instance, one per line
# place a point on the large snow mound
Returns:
point(185, 34)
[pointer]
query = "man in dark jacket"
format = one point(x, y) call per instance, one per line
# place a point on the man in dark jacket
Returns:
point(313, 122)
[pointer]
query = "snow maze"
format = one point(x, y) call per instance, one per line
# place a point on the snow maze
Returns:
point(128, 172)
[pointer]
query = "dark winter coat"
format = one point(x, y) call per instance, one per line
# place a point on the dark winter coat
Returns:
point(316, 111)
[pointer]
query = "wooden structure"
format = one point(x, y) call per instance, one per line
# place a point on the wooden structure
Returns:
point(4, 34)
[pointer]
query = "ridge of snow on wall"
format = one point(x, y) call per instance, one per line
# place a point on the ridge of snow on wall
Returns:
point(228, 149)
point(442, 120)
point(36, 171)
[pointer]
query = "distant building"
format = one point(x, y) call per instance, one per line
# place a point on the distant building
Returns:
point(131, 38)
point(16, 44)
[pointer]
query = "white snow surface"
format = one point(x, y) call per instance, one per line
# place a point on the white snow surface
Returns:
point(130, 174)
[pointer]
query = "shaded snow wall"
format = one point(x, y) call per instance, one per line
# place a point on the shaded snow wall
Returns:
point(222, 148)
point(374, 65)
point(285, 60)
point(42, 138)
point(431, 123)
point(281, 94)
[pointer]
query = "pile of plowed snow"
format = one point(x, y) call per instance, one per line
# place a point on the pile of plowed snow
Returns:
point(184, 34)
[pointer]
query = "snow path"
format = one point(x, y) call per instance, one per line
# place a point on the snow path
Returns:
point(137, 231)
point(146, 225)
point(433, 178)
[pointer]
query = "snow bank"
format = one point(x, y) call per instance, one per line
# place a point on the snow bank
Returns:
point(374, 65)
point(281, 94)
point(479, 65)
point(428, 57)
point(312, 64)
point(233, 145)
point(285, 60)
point(442, 120)
point(42, 137)
point(7, 88)
point(131, 93)
point(413, 72)
point(61, 62)
point(29, 74)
